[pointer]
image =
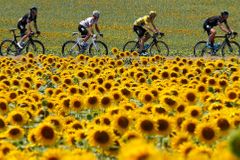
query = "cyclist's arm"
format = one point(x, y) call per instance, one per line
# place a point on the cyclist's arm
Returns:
point(224, 29)
point(29, 26)
point(90, 30)
point(97, 28)
point(228, 27)
point(155, 28)
point(35, 26)
point(149, 28)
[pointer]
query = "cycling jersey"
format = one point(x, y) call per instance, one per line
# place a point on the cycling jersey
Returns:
point(27, 18)
point(142, 21)
point(89, 22)
point(213, 21)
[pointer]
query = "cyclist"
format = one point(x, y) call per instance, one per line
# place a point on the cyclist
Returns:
point(216, 21)
point(25, 22)
point(141, 27)
point(86, 27)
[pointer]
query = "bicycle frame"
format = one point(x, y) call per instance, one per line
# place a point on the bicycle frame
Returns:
point(80, 39)
point(154, 40)
point(225, 41)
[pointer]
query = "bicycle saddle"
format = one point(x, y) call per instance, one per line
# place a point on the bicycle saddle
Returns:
point(12, 29)
point(74, 33)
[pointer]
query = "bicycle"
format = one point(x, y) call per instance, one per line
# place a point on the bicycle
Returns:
point(10, 47)
point(227, 47)
point(96, 47)
point(156, 46)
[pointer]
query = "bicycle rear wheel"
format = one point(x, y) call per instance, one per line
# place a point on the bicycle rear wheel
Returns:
point(159, 48)
point(98, 48)
point(231, 49)
point(201, 48)
point(70, 48)
point(8, 47)
point(36, 47)
point(131, 46)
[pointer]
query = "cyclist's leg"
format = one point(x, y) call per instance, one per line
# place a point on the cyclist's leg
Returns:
point(22, 34)
point(212, 34)
point(141, 34)
point(84, 32)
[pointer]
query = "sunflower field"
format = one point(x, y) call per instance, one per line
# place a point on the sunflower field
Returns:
point(122, 107)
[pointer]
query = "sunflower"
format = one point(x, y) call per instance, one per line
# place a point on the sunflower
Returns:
point(105, 101)
point(55, 154)
point(56, 121)
point(92, 101)
point(179, 140)
point(232, 95)
point(15, 133)
point(125, 92)
point(146, 97)
point(194, 111)
point(3, 123)
point(138, 149)
point(168, 101)
point(116, 96)
point(31, 136)
point(76, 125)
point(3, 106)
point(163, 125)
point(76, 103)
point(190, 96)
point(207, 132)
point(121, 122)
point(65, 103)
point(17, 117)
point(189, 125)
point(7, 147)
point(181, 107)
point(12, 96)
point(146, 125)
point(101, 137)
point(186, 148)
point(224, 124)
point(46, 134)
point(130, 135)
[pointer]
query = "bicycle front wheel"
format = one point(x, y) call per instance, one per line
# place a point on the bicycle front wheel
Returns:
point(131, 46)
point(36, 47)
point(159, 48)
point(98, 48)
point(70, 48)
point(201, 48)
point(231, 48)
point(8, 47)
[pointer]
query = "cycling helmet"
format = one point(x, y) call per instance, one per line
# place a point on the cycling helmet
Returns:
point(224, 13)
point(96, 14)
point(152, 14)
point(33, 9)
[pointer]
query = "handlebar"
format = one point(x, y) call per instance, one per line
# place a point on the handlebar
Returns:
point(231, 35)
point(155, 35)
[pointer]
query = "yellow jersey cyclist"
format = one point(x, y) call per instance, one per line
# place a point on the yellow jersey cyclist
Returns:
point(25, 27)
point(211, 22)
point(86, 27)
point(141, 26)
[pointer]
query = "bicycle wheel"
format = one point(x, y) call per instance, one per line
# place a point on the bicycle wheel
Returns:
point(232, 48)
point(98, 49)
point(131, 46)
point(70, 48)
point(201, 48)
point(160, 48)
point(8, 47)
point(36, 47)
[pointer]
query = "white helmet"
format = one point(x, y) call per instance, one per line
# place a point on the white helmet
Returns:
point(96, 14)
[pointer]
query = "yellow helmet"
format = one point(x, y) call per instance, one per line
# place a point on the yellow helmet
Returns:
point(152, 14)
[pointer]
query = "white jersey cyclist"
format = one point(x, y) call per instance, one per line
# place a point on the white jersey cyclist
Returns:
point(90, 21)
